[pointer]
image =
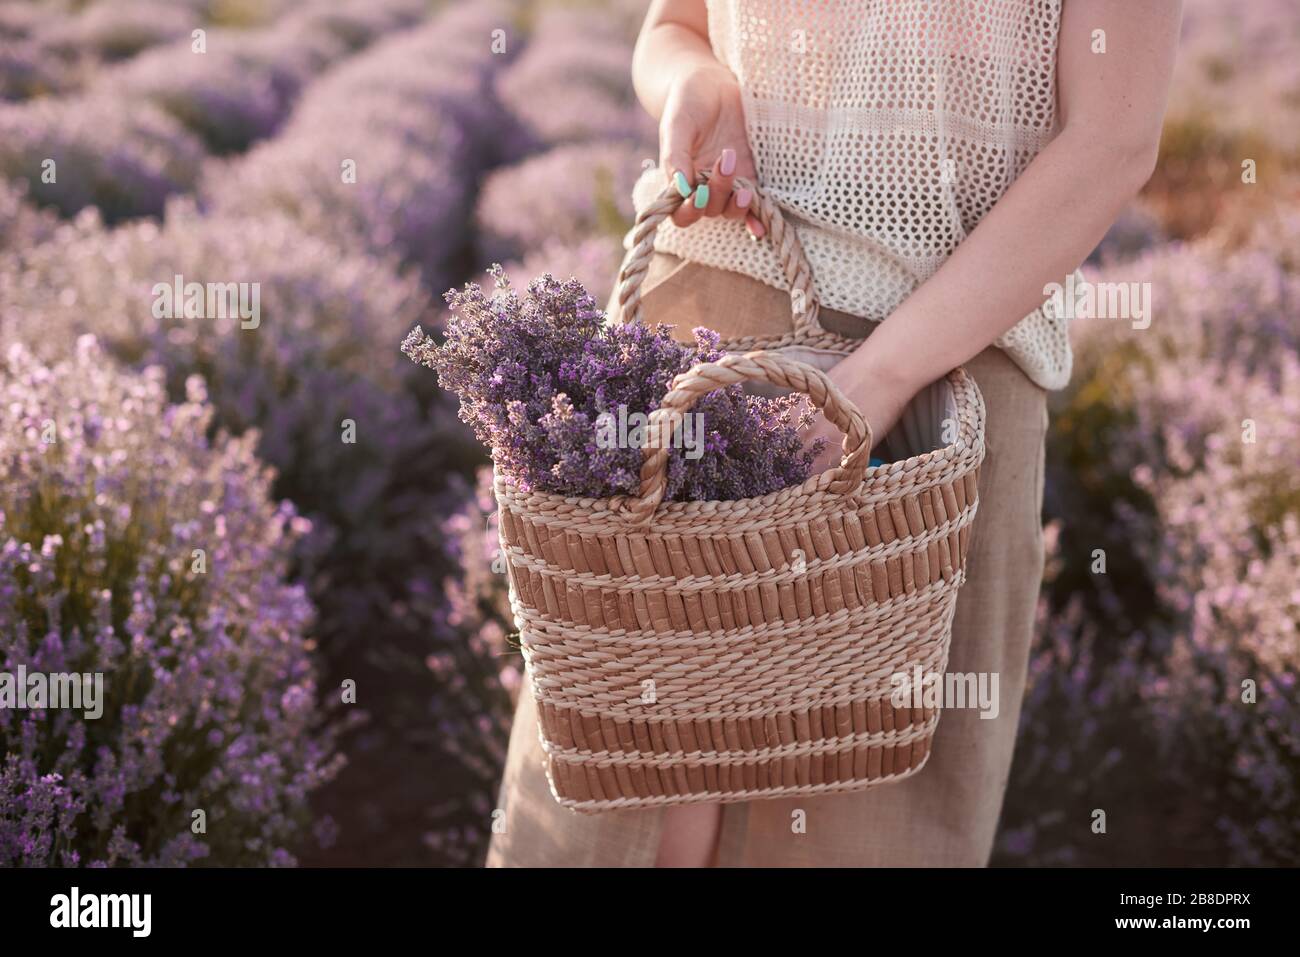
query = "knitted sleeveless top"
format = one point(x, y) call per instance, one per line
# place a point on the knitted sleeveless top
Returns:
point(885, 129)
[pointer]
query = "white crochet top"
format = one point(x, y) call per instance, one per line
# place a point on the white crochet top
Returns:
point(885, 129)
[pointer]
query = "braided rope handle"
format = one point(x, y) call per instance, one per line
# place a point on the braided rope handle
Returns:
point(770, 367)
point(804, 306)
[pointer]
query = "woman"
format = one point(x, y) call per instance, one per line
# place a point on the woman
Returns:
point(943, 163)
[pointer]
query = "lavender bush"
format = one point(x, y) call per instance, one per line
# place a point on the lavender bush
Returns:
point(1198, 523)
point(245, 85)
point(414, 119)
point(1135, 231)
point(19, 19)
point(1225, 562)
point(535, 374)
point(56, 47)
point(565, 87)
point(593, 262)
point(237, 92)
point(110, 30)
point(125, 145)
point(470, 665)
point(316, 360)
point(409, 112)
point(355, 23)
point(26, 71)
point(539, 202)
point(125, 159)
point(210, 699)
point(1237, 67)
point(478, 669)
point(22, 225)
point(1233, 100)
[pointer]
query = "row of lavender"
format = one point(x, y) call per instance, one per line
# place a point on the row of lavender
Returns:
point(1163, 686)
point(140, 539)
point(138, 132)
point(1163, 689)
point(57, 46)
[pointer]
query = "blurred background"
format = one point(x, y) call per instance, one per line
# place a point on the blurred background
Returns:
point(335, 685)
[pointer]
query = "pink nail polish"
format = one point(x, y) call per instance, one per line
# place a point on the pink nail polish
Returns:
point(728, 164)
point(743, 196)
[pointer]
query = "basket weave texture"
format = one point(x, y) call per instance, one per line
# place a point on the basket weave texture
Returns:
point(688, 652)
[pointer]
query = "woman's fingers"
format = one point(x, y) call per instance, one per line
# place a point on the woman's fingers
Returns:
point(714, 197)
point(738, 207)
point(709, 195)
point(676, 136)
point(688, 184)
point(719, 185)
point(688, 213)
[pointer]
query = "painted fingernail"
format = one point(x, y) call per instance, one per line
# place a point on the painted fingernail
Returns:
point(682, 183)
point(756, 230)
point(743, 196)
point(728, 163)
point(701, 196)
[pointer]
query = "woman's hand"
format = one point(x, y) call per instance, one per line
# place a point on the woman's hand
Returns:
point(703, 128)
point(880, 395)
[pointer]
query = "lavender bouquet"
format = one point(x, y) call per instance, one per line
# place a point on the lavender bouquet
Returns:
point(551, 390)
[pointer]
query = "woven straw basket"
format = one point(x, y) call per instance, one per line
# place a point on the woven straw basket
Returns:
point(730, 651)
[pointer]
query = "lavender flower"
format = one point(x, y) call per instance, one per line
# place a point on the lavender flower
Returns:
point(535, 374)
point(209, 688)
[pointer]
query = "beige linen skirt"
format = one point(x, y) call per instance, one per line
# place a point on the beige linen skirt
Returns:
point(946, 814)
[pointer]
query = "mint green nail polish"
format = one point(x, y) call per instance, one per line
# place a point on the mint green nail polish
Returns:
point(683, 187)
point(702, 196)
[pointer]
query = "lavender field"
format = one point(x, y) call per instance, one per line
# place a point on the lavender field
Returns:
point(272, 533)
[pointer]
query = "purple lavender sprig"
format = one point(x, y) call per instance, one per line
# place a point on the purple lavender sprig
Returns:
point(536, 372)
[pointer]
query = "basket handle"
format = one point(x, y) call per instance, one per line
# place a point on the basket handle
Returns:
point(804, 305)
point(760, 366)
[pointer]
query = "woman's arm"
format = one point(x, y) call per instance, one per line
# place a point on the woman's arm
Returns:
point(673, 41)
point(697, 103)
point(1111, 108)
